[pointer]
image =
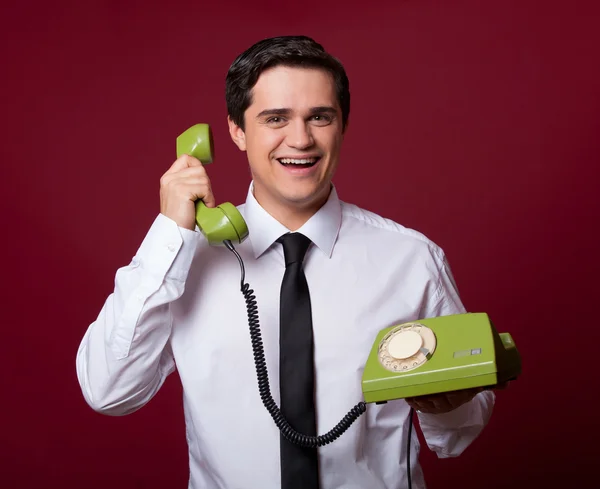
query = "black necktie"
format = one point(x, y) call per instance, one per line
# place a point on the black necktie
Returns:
point(299, 466)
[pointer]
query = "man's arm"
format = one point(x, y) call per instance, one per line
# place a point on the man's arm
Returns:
point(124, 357)
point(449, 430)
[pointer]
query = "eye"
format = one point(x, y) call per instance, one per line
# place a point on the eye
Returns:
point(321, 119)
point(275, 120)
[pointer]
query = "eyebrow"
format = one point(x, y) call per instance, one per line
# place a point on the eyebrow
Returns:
point(314, 110)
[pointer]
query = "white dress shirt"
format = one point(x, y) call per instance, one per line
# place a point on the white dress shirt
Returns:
point(178, 305)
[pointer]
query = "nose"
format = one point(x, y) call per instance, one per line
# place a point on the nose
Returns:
point(299, 135)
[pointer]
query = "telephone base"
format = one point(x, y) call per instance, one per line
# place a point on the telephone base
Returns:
point(436, 355)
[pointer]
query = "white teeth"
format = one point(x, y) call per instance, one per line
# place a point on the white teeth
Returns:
point(302, 161)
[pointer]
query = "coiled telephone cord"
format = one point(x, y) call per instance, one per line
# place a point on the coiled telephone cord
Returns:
point(288, 432)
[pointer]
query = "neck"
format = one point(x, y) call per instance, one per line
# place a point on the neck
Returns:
point(293, 215)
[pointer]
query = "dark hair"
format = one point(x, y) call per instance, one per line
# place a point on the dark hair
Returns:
point(298, 51)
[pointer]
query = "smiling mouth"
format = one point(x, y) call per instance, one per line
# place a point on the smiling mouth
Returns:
point(298, 162)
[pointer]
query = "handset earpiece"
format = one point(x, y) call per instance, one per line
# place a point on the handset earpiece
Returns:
point(224, 222)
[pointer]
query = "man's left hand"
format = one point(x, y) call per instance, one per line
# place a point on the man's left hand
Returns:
point(446, 401)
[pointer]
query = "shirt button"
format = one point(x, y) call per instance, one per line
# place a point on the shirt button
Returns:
point(171, 247)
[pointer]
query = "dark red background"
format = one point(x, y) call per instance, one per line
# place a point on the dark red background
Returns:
point(475, 122)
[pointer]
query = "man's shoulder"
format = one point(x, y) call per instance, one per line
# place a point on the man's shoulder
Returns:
point(377, 225)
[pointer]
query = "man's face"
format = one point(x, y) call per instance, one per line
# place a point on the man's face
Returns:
point(293, 134)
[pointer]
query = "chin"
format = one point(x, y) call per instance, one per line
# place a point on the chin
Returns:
point(303, 197)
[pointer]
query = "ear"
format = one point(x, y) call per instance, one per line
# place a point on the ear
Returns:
point(237, 134)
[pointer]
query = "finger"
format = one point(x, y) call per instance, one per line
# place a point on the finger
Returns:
point(189, 173)
point(184, 161)
point(467, 394)
point(443, 404)
point(427, 399)
point(208, 198)
point(197, 191)
point(412, 402)
point(421, 404)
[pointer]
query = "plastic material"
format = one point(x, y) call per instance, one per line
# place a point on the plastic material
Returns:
point(468, 352)
point(223, 222)
point(197, 141)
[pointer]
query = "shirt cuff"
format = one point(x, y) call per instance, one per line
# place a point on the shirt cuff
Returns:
point(168, 250)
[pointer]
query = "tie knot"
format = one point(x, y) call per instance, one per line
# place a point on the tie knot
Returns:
point(294, 247)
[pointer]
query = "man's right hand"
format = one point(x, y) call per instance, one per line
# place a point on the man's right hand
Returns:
point(181, 185)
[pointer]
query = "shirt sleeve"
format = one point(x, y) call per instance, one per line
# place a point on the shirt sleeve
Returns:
point(124, 356)
point(449, 434)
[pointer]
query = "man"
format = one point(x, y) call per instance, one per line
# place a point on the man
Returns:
point(178, 303)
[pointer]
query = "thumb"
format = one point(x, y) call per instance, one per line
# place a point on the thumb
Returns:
point(209, 199)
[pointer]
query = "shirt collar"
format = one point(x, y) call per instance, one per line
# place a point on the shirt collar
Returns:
point(322, 228)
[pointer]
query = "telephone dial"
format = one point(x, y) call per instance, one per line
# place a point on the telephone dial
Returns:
point(426, 356)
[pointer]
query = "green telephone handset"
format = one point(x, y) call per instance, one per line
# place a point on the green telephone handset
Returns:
point(223, 223)
point(416, 358)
